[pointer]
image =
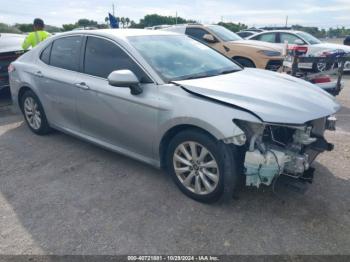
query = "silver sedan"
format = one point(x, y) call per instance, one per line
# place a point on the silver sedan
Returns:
point(174, 103)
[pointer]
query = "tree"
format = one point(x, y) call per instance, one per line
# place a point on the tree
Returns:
point(127, 21)
point(122, 21)
point(69, 27)
point(24, 27)
point(86, 22)
point(154, 19)
point(4, 28)
point(233, 27)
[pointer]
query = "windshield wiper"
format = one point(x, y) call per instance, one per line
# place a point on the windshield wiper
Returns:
point(228, 71)
point(194, 77)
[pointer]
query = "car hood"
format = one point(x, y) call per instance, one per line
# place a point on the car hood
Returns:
point(330, 46)
point(257, 44)
point(274, 97)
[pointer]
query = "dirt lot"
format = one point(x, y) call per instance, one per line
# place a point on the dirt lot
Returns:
point(59, 195)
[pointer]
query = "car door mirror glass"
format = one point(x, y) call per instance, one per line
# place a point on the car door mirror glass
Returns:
point(209, 38)
point(125, 78)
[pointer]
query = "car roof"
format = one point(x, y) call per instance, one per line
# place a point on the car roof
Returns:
point(121, 33)
point(281, 31)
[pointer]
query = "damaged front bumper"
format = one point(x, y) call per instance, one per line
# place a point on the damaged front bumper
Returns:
point(273, 151)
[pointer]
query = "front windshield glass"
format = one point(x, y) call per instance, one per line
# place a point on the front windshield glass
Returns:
point(178, 57)
point(309, 38)
point(224, 34)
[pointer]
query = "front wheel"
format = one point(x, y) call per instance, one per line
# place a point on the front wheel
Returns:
point(203, 168)
point(34, 113)
point(244, 62)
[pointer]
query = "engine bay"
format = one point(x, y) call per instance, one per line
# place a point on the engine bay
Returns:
point(275, 150)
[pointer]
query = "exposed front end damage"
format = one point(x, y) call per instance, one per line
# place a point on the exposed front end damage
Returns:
point(273, 150)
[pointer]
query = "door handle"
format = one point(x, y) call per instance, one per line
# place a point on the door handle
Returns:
point(39, 74)
point(82, 85)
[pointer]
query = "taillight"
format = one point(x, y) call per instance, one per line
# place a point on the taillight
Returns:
point(298, 50)
point(321, 79)
point(11, 68)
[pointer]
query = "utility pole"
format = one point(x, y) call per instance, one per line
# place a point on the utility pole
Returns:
point(113, 9)
point(286, 21)
point(176, 18)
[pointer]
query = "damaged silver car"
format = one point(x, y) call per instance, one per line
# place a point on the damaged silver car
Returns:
point(177, 104)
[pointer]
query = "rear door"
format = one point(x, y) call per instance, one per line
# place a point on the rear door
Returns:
point(57, 77)
point(290, 38)
point(266, 37)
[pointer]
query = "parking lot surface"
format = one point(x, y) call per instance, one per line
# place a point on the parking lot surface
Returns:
point(61, 195)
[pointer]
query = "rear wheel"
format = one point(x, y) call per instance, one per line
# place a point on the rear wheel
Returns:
point(321, 67)
point(34, 113)
point(203, 168)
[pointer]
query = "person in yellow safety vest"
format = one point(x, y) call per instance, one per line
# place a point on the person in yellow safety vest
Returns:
point(37, 36)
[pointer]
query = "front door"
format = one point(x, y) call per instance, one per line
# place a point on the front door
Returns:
point(112, 114)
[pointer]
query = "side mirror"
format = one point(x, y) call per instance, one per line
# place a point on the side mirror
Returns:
point(299, 42)
point(209, 38)
point(125, 78)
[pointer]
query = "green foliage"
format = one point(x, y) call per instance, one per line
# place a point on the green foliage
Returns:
point(69, 27)
point(154, 19)
point(234, 27)
point(86, 22)
point(25, 28)
point(322, 33)
point(4, 28)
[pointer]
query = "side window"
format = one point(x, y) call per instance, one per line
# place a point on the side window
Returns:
point(269, 37)
point(45, 55)
point(288, 37)
point(65, 53)
point(196, 33)
point(102, 57)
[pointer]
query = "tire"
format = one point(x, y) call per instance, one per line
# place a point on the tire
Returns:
point(37, 122)
point(321, 67)
point(227, 172)
point(245, 62)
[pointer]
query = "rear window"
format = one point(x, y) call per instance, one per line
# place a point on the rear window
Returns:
point(65, 53)
point(45, 55)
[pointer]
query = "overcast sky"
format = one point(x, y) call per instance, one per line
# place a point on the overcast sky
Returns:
point(322, 13)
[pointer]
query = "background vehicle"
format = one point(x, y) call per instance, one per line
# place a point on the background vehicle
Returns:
point(245, 34)
point(347, 40)
point(314, 45)
point(247, 53)
point(10, 50)
point(155, 96)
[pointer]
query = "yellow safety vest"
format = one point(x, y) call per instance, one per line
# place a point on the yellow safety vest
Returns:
point(35, 38)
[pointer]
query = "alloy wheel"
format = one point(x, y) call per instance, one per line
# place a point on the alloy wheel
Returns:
point(321, 67)
point(32, 113)
point(196, 168)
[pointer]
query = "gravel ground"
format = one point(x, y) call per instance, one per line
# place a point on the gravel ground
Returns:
point(60, 195)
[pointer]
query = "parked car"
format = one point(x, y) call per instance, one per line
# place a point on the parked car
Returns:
point(175, 103)
point(245, 34)
point(10, 50)
point(314, 45)
point(246, 53)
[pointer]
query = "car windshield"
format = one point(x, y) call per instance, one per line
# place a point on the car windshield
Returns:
point(309, 38)
point(178, 57)
point(224, 34)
